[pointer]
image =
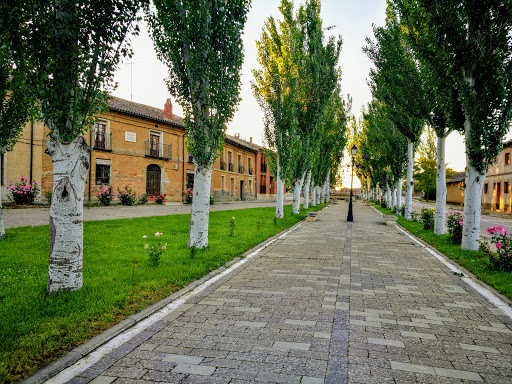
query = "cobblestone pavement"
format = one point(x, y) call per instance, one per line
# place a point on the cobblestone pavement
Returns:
point(332, 302)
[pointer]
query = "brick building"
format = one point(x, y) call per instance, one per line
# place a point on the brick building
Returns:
point(142, 147)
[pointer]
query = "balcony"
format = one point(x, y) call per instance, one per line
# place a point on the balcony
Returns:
point(158, 150)
point(231, 167)
point(240, 169)
point(263, 168)
point(103, 142)
point(251, 171)
point(263, 189)
point(223, 165)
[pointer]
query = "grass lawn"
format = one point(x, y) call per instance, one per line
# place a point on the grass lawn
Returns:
point(501, 281)
point(36, 327)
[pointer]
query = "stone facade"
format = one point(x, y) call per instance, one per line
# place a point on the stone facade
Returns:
point(144, 148)
point(497, 195)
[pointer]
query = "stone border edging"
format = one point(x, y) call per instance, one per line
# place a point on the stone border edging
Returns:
point(91, 345)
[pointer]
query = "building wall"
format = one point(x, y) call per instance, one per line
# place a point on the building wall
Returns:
point(496, 194)
point(17, 163)
point(226, 183)
point(455, 193)
point(265, 182)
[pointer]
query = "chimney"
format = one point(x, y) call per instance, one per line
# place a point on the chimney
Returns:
point(168, 109)
point(250, 139)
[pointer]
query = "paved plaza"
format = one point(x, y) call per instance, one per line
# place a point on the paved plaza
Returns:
point(329, 302)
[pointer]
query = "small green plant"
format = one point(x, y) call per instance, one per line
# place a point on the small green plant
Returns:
point(502, 259)
point(155, 250)
point(427, 218)
point(143, 199)
point(104, 194)
point(401, 211)
point(232, 227)
point(455, 224)
point(415, 216)
point(193, 252)
point(187, 196)
point(126, 195)
point(23, 193)
point(48, 196)
point(460, 274)
point(212, 200)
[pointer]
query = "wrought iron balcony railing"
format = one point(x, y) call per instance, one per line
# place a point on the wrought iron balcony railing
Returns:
point(240, 169)
point(158, 150)
point(103, 142)
point(231, 167)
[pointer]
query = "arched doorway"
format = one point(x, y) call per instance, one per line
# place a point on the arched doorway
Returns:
point(153, 179)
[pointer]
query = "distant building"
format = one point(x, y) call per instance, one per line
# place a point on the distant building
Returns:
point(455, 188)
point(496, 195)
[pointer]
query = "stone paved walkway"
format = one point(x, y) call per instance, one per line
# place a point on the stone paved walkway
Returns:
point(331, 302)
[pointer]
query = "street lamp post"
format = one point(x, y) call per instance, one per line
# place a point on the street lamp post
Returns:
point(353, 151)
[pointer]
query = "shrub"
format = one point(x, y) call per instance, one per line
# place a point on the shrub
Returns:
point(502, 259)
point(415, 216)
point(23, 193)
point(427, 218)
point(383, 203)
point(143, 199)
point(212, 201)
point(154, 250)
point(104, 194)
point(159, 199)
point(232, 227)
point(48, 196)
point(401, 211)
point(187, 196)
point(455, 224)
point(126, 195)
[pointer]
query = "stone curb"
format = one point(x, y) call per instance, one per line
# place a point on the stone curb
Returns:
point(89, 346)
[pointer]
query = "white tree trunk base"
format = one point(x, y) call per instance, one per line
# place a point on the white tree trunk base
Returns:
point(399, 194)
point(439, 224)
point(279, 196)
point(70, 166)
point(313, 196)
point(198, 235)
point(306, 191)
point(472, 209)
point(297, 188)
point(410, 183)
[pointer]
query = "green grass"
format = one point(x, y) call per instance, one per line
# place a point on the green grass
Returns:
point(37, 327)
point(501, 281)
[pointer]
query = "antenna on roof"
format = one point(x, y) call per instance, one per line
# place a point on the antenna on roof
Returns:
point(131, 76)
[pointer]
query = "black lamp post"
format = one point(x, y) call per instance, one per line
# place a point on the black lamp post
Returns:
point(353, 152)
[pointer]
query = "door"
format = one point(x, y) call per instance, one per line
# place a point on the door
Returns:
point(153, 178)
point(498, 196)
point(99, 135)
point(241, 190)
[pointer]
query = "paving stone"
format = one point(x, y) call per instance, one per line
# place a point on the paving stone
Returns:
point(290, 345)
point(419, 335)
point(479, 348)
point(103, 380)
point(390, 343)
point(183, 359)
point(250, 324)
point(463, 375)
point(311, 380)
point(397, 365)
point(201, 370)
point(300, 322)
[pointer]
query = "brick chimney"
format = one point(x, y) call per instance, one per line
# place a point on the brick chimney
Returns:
point(168, 109)
point(250, 140)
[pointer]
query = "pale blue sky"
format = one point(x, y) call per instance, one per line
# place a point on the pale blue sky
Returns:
point(352, 19)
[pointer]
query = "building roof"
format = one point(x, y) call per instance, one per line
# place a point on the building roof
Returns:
point(457, 178)
point(117, 104)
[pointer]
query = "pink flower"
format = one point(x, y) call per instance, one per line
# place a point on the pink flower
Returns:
point(233, 218)
point(498, 245)
point(460, 222)
point(158, 234)
point(490, 230)
point(144, 237)
point(500, 227)
point(146, 246)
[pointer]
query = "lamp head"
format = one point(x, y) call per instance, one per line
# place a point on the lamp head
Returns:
point(353, 150)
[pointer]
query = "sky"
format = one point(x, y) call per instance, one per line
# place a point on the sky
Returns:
point(143, 80)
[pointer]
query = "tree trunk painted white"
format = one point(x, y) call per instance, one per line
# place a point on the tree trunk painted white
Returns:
point(2, 229)
point(306, 191)
point(410, 183)
point(279, 195)
point(388, 197)
point(440, 209)
point(320, 194)
point(393, 192)
point(399, 194)
point(313, 195)
point(297, 188)
point(70, 167)
point(327, 191)
point(472, 200)
point(200, 214)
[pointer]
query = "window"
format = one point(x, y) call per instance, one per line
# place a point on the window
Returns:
point(507, 158)
point(505, 187)
point(240, 164)
point(190, 181)
point(103, 171)
point(154, 143)
point(250, 187)
point(101, 135)
point(231, 166)
point(232, 186)
point(486, 188)
point(222, 182)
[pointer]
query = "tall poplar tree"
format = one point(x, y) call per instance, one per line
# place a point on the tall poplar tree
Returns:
point(471, 40)
point(397, 83)
point(275, 87)
point(70, 50)
point(200, 41)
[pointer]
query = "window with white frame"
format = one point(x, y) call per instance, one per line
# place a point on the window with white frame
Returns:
point(103, 168)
